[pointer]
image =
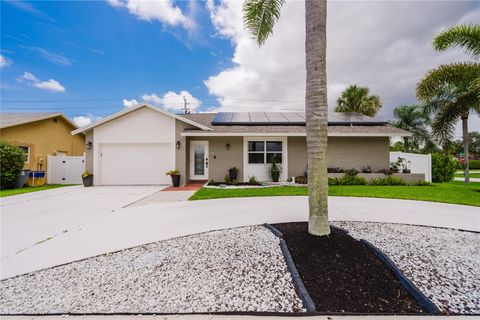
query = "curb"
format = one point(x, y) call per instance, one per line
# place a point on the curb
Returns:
point(297, 280)
point(425, 302)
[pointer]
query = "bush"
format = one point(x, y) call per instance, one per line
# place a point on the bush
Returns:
point(351, 172)
point(443, 167)
point(387, 181)
point(252, 180)
point(301, 180)
point(474, 164)
point(12, 160)
point(347, 180)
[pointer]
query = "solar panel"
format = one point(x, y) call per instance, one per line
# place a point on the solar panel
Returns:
point(290, 118)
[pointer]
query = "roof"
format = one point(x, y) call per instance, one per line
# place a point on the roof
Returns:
point(380, 129)
point(10, 119)
point(139, 106)
point(290, 118)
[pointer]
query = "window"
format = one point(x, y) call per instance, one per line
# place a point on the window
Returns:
point(26, 152)
point(264, 151)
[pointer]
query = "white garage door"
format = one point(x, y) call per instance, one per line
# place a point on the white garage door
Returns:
point(136, 163)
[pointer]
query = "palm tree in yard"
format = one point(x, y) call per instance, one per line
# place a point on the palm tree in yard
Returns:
point(260, 16)
point(358, 99)
point(452, 91)
point(414, 119)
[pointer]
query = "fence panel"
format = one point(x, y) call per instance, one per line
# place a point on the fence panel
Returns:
point(65, 169)
point(420, 163)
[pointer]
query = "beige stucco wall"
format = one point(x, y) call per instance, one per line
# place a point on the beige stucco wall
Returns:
point(181, 154)
point(221, 159)
point(45, 137)
point(342, 152)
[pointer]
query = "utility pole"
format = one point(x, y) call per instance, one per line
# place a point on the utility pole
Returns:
point(185, 106)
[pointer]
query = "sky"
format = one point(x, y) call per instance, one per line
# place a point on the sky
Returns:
point(89, 59)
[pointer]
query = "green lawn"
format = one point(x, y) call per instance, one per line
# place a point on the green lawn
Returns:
point(453, 192)
point(471, 175)
point(12, 192)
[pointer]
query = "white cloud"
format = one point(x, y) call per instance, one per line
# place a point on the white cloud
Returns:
point(172, 100)
point(49, 85)
point(164, 11)
point(4, 62)
point(50, 56)
point(82, 121)
point(129, 103)
point(388, 49)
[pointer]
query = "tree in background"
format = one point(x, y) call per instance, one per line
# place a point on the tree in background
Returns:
point(473, 145)
point(452, 91)
point(259, 17)
point(414, 119)
point(358, 99)
point(398, 147)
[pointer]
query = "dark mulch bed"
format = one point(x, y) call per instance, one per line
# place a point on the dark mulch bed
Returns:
point(217, 184)
point(342, 275)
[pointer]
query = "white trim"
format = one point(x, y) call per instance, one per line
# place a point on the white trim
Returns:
point(28, 153)
point(139, 106)
point(49, 116)
point(292, 134)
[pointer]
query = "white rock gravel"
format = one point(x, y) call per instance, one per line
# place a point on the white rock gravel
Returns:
point(443, 263)
point(238, 269)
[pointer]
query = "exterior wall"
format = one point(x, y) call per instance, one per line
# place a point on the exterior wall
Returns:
point(342, 152)
point(220, 159)
point(182, 154)
point(140, 126)
point(261, 170)
point(89, 137)
point(44, 138)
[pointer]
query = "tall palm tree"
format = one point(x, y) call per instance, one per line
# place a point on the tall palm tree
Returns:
point(260, 16)
point(462, 89)
point(449, 94)
point(358, 99)
point(414, 119)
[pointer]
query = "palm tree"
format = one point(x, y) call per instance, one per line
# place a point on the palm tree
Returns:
point(414, 119)
point(358, 99)
point(260, 16)
point(454, 90)
point(449, 94)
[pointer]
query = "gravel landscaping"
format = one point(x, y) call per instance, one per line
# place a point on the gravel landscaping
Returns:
point(443, 263)
point(342, 275)
point(238, 269)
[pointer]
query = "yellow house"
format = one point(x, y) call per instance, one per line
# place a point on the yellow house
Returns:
point(41, 135)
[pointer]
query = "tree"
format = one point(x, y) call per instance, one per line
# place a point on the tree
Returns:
point(358, 99)
point(453, 91)
point(416, 120)
point(398, 146)
point(259, 17)
point(12, 160)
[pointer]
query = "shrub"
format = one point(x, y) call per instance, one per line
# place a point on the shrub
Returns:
point(367, 169)
point(386, 172)
point(252, 180)
point(275, 171)
point(351, 172)
point(422, 183)
point(347, 180)
point(301, 180)
point(474, 164)
point(443, 167)
point(387, 181)
point(12, 160)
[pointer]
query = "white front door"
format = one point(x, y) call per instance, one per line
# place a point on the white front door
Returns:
point(199, 160)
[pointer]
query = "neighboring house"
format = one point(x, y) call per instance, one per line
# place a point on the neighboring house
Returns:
point(40, 135)
point(138, 145)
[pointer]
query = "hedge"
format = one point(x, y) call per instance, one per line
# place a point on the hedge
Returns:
point(443, 167)
point(12, 160)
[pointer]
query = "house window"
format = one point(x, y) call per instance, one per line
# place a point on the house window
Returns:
point(26, 153)
point(264, 152)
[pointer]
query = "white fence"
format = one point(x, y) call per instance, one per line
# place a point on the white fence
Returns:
point(419, 163)
point(65, 170)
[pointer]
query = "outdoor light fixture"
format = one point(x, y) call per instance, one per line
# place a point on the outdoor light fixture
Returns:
point(227, 146)
point(88, 146)
point(177, 144)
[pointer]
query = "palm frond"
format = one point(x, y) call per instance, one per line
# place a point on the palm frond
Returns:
point(259, 17)
point(466, 36)
point(443, 125)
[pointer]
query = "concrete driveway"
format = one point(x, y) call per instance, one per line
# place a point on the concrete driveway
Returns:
point(33, 218)
point(114, 228)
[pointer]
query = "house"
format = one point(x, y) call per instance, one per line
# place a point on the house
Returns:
point(40, 135)
point(138, 145)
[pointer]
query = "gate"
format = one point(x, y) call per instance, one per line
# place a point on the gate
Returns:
point(65, 170)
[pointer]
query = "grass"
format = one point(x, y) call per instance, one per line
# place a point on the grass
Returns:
point(455, 192)
point(12, 192)
point(471, 175)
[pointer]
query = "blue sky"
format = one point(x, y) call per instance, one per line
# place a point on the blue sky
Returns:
point(89, 59)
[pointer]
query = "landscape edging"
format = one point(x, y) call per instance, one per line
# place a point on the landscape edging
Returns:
point(297, 280)
point(418, 295)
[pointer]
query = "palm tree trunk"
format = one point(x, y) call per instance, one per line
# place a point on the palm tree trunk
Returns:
point(465, 147)
point(316, 116)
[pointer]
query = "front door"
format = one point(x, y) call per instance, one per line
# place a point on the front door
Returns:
point(199, 160)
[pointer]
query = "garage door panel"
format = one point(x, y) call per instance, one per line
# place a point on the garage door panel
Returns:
point(136, 163)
